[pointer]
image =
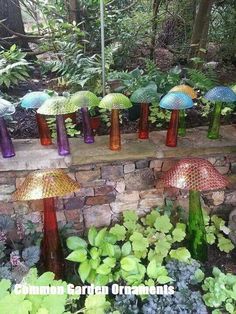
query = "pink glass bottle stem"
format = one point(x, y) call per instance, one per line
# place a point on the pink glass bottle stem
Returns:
point(44, 132)
point(62, 138)
point(51, 254)
point(172, 132)
point(88, 133)
point(143, 124)
point(5, 140)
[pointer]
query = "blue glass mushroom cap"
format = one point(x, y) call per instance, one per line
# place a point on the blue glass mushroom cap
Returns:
point(176, 101)
point(6, 108)
point(221, 94)
point(34, 100)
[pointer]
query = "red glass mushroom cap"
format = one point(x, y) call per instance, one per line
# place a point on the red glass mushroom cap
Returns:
point(194, 174)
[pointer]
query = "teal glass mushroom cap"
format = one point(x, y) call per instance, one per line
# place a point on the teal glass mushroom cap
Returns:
point(85, 100)
point(6, 108)
point(175, 101)
point(145, 96)
point(218, 95)
point(34, 100)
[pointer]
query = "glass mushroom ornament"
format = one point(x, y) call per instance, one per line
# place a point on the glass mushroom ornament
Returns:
point(196, 175)
point(192, 94)
point(144, 96)
point(46, 185)
point(59, 106)
point(34, 100)
point(85, 100)
point(7, 148)
point(218, 95)
point(175, 101)
point(114, 102)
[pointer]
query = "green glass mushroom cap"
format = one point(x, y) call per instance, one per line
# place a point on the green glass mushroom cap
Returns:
point(115, 101)
point(6, 108)
point(145, 95)
point(84, 99)
point(57, 105)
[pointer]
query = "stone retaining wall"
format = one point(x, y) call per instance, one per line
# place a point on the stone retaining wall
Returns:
point(107, 189)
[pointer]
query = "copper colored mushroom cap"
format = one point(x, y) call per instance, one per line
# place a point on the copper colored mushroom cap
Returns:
point(194, 174)
point(45, 184)
point(185, 89)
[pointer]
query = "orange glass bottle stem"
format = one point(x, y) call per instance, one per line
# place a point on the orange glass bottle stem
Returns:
point(172, 132)
point(143, 122)
point(44, 132)
point(115, 139)
point(51, 254)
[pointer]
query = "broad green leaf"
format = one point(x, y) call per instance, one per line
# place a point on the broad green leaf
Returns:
point(77, 256)
point(126, 248)
point(101, 280)
point(95, 263)
point(84, 270)
point(74, 243)
point(199, 275)
point(139, 243)
point(151, 218)
point(4, 286)
point(108, 249)
point(92, 235)
point(181, 254)
point(128, 263)
point(100, 237)
point(163, 224)
point(111, 262)
point(94, 304)
point(178, 235)
point(94, 252)
point(163, 279)
point(225, 244)
point(103, 269)
point(119, 231)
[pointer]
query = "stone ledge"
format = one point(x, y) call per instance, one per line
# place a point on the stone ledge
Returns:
point(30, 155)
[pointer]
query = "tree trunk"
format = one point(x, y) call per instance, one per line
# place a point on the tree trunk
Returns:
point(73, 11)
point(201, 19)
point(204, 39)
point(10, 12)
point(155, 9)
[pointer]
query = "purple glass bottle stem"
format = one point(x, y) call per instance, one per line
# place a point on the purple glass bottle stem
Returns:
point(62, 139)
point(88, 133)
point(5, 140)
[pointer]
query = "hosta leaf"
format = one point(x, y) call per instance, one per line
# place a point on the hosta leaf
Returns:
point(100, 237)
point(94, 252)
point(92, 235)
point(79, 255)
point(84, 270)
point(110, 261)
point(75, 243)
point(103, 269)
point(101, 280)
point(163, 279)
point(108, 249)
